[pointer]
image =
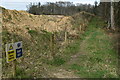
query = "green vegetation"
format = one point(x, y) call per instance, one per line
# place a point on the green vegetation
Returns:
point(100, 58)
point(72, 48)
point(30, 16)
point(32, 32)
point(94, 54)
point(20, 73)
point(57, 61)
point(34, 50)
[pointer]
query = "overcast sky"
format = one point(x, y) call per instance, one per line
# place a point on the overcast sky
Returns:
point(21, 4)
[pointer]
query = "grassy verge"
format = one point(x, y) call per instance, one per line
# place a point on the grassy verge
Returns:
point(100, 60)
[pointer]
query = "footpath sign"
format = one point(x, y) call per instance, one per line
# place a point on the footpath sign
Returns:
point(13, 51)
point(18, 49)
point(10, 52)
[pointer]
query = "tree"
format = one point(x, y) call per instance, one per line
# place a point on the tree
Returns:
point(58, 8)
point(95, 8)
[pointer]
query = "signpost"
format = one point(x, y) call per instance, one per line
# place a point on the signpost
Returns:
point(14, 51)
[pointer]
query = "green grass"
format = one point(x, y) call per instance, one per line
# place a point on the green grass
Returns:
point(100, 60)
point(20, 73)
point(57, 61)
point(72, 48)
point(85, 71)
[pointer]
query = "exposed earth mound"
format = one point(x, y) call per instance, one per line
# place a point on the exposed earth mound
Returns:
point(21, 21)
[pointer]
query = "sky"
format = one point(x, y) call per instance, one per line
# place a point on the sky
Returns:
point(21, 4)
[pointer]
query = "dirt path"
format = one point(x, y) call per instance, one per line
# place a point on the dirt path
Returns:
point(61, 72)
point(75, 57)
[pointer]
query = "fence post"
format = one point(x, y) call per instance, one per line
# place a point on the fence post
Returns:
point(65, 36)
point(52, 37)
point(14, 65)
point(14, 68)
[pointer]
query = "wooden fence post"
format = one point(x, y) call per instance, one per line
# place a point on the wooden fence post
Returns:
point(14, 64)
point(65, 36)
point(51, 49)
point(53, 53)
point(52, 38)
point(14, 68)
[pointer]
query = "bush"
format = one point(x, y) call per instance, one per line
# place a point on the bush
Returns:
point(32, 32)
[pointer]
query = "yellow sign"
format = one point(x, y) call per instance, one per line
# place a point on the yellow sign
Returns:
point(11, 56)
point(11, 47)
point(10, 52)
